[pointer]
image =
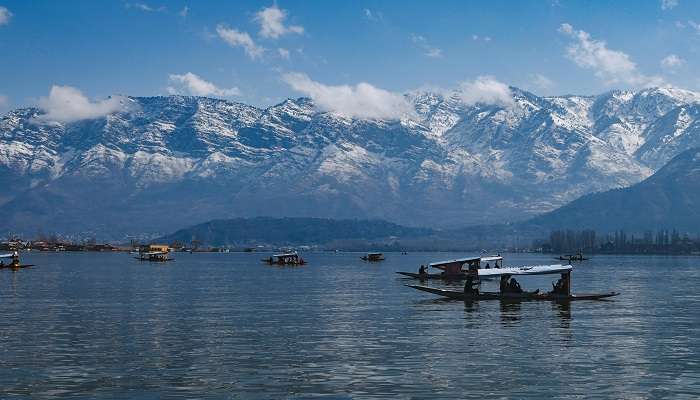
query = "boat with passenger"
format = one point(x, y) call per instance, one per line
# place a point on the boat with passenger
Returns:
point(510, 290)
point(373, 257)
point(154, 253)
point(456, 269)
point(572, 257)
point(13, 262)
point(291, 258)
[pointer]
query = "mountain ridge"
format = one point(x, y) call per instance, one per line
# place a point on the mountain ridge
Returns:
point(174, 161)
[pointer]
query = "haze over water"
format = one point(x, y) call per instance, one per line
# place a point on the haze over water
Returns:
point(227, 326)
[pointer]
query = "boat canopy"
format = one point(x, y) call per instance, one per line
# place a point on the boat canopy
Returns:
point(457, 260)
point(8, 255)
point(374, 254)
point(284, 255)
point(153, 253)
point(528, 270)
point(491, 258)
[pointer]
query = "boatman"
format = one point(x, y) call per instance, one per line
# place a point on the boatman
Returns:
point(471, 288)
point(422, 270)
point(504, 283)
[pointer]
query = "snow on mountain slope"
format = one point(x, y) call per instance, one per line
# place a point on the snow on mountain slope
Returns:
point(193, 159)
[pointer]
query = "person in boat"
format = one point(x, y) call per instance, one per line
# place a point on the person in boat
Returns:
point(514, 286)
point(488, 266)
point(504, 283)
point(422, 270)
point(470, 287)
point(557, 287)
point(561, 286)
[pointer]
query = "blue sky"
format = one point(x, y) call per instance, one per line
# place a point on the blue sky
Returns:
point(256, 52)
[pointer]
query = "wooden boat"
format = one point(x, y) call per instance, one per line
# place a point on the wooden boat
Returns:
point(572, 257)
point(14, 264)
point(487, 267)
point(285, 259)
point(373, 257)
point(525, 296)
point(20, 266)
point(456, 277)
point(154, 256)
point(510, 290)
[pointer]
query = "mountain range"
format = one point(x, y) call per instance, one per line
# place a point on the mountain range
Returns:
point(668, 199)
point(168, 162)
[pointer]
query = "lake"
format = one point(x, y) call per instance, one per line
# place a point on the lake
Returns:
point(226, 326)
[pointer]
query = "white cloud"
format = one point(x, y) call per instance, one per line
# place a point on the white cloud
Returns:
point(694, 25)
point(5, 16)
point(183, 13)
point(542, 82)
point(240, 39)
point(486, 90)
point(477, 38)
point(145, 7)
point(668, 4)
point(193, 84)
point(612, 66)
point(672, 61)
point(361, 101)
point(271, 20)
point(373, 16)
point(67, 104)
point(284, 53)
point(428, 50)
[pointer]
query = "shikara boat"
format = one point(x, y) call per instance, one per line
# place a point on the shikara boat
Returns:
point(285, 259)
point(525, 296)
point(572, 257)
point(19, 266)
point(561, 291)
point(373, 257)
point(154, 256)
point(14, 264)
point(488, 267)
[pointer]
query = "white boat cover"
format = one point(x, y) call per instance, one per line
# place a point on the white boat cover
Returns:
point(458, 260)
point(8, 255)
point(526, 270)
point(284, 255)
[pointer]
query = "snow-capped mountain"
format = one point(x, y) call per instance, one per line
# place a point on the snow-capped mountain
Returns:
point(168, 162)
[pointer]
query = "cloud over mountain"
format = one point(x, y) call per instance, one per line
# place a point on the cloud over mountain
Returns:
point(195, 85)
point(67, 104)
point(360, 101)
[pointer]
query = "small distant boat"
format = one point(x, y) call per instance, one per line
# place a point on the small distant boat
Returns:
point(285, 259)
point(373, 257)
point(154, 256)
point(14, 264)
point(572, 257)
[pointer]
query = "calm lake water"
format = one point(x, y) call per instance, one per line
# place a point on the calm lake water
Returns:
point(106, 326)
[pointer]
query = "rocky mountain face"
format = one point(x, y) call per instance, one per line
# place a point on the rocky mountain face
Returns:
point(168, 162)
point(669, 199)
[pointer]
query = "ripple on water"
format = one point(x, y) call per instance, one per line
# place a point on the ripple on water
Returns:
point(225, 326)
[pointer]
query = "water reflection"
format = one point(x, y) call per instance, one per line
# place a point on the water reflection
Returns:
point(225, 326)
point(510, 312)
